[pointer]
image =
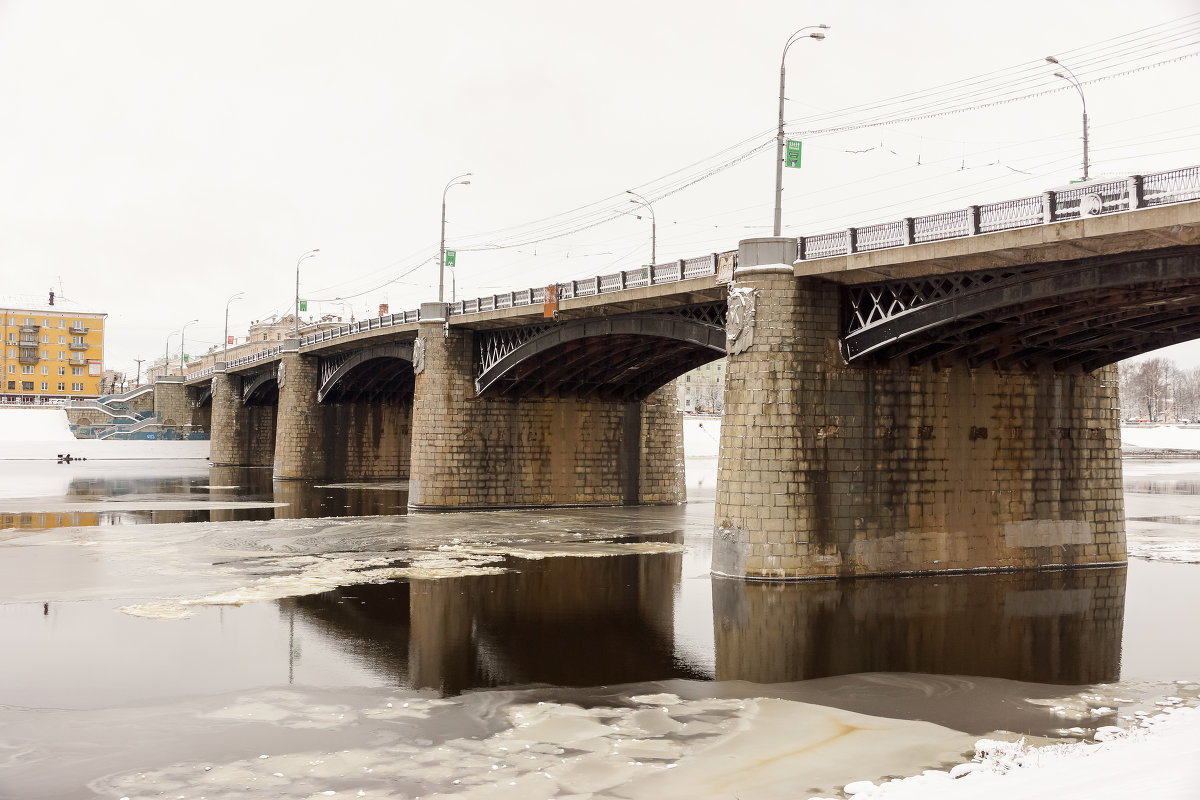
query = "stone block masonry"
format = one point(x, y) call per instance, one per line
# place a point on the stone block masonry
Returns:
point(242, 436)
point(481, 452)
point(173, 404)
point(827, 469)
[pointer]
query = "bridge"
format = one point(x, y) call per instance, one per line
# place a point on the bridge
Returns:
point(935, 393)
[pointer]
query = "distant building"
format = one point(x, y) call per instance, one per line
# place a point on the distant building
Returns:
point(263, 335)
point(702, 390)
point(53, 350)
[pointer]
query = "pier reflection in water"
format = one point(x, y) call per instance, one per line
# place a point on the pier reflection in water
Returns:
point(589, 622)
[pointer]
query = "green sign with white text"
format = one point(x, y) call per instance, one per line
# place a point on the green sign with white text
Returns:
point(450, 258)
point(793, 153)
point(304, 305)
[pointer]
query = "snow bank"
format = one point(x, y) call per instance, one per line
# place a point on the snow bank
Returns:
point(1161, 437)
point(701, 435)
point(1155, 760)
point(46, 424)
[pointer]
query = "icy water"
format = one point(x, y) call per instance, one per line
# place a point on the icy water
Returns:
point(171, 630)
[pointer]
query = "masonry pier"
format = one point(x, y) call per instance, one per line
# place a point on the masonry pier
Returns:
point(828, 469)
point(483, 452)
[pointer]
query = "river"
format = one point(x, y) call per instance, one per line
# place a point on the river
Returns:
point(176, 630)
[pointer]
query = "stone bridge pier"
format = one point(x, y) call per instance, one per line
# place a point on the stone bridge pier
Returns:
point(828, 469)
point(242, 435)
point(472, 451)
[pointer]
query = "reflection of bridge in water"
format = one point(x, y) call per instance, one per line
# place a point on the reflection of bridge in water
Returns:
point(595, 622)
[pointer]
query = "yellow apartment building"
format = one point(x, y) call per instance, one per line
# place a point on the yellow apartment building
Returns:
point(53, 350)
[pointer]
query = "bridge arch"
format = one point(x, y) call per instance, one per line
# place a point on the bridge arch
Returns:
point(625, 357)
point(261, 388)
point(1085, 313)
point(345, 377)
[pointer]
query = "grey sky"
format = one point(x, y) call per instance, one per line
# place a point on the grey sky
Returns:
point(161, 156)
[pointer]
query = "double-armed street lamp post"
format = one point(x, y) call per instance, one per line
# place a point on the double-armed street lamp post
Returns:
point(1069, 76)
point(456, 180)
point(182, 368)
point(795, 37)
point(167, 354)
point(225, 345)
point(296, 318)
point(653, 222)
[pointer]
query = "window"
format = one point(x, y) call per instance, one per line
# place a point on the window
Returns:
point(76, 387)
point(12, 352)
point(62, 370)
point(45, 339)
point(45, 386)
point(45, 370)
point(12, 336)
point(45, 354)
point(28, 321)
point(62, 340)
point(264, 337)
point(27, 369)
point(62, 387)
point(45, 323)
point(12, 385)
point(62, 356)
point(12, 369)
point(27, 386)
point(77, 340)
point(76, 370)
point(62, 323)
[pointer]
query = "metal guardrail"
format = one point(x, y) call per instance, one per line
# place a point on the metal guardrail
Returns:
point(1090, 199)
point(1093, 198)
point(261, 355)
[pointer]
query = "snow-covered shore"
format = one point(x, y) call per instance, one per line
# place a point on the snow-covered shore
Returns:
point(1154, 759)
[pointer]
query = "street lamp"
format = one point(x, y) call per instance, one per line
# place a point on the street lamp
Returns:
point(1070, 78)
point(167, 354)
point(653, 222)
point(795, 37)
point(296, 319)
point(182, 369)
point(442, 246)
point(225, 345)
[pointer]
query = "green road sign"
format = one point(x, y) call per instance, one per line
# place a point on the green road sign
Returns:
point(793, 153)
point(186, 358)
point(304, 305)
point(450, 258)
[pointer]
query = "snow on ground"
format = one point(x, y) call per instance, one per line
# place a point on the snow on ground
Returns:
point(1161, 437)
point(46, 424)
point(43, 433)
point(1156, 759)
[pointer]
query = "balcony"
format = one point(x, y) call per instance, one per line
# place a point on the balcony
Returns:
point(30, 329)
point(78, 329)
point(28, 357)
point(79, 345)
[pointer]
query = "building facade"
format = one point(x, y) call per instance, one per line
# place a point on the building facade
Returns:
point(702, 391)
point(53, 350)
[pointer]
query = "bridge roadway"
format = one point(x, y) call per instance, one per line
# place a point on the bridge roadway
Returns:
point(931, 394)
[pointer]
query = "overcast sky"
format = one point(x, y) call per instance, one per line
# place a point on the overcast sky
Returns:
point(161, 156)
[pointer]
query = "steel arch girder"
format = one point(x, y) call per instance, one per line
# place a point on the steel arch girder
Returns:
point(251, 385)
point(1074, 278)
point(398, 350)
point(674, 328)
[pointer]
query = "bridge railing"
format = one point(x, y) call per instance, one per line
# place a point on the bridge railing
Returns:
point(262, 355)
point(1083, 200)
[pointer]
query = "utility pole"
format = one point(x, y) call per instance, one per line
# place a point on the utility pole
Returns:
point(139, 361)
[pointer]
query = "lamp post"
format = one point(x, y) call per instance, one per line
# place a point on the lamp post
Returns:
point(1070, 78)
point(795, 37)
point(225, 341)
point(167, 354)
point(296, 319)
point(653, 222)
point(442, 245)
point(182, 369)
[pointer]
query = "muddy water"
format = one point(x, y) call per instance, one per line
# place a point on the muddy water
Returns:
point(175, 631)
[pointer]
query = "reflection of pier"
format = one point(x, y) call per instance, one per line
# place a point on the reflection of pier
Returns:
point(1044, 627)
point(566, 621)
